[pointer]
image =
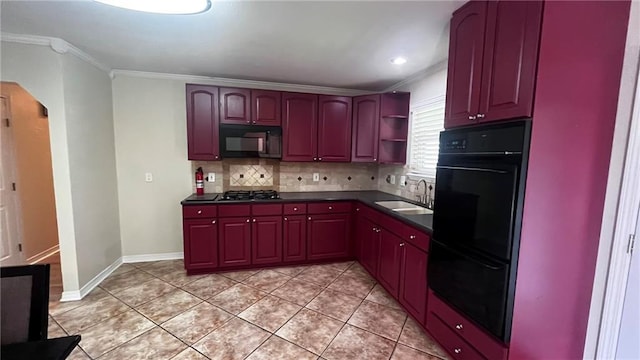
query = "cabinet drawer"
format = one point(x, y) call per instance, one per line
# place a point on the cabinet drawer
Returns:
point(417, 237)
point(234, 210)
point(369, 213)
point(329, 207)
point(450, 341)
point(484, 343)
point(293, 209)
point(199, 211)
point(395, 226)
point(270, 209)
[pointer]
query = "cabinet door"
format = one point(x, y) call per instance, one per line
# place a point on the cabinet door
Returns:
point(389, 262)
point(235, 106)
point(466, 44)
point(510, 59)
point(234, 242)
point(265, 107)
point(328, 236)
point(295, 238)
point(334, 128)
point(413, 281)
point(200, 243)
point(366, 123)
point(300, 126)
point(369, 241)
point(266, 240)
point(202, 122)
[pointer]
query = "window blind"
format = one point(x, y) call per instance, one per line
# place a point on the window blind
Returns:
point(427, 120)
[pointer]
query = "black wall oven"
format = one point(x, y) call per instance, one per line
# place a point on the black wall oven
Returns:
point(477, 219)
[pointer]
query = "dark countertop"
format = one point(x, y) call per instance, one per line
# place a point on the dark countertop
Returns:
point(369, 198)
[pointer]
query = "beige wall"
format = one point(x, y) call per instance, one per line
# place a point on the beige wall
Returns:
point(34, 172)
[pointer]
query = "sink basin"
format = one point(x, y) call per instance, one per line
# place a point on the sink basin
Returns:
point(404, 207)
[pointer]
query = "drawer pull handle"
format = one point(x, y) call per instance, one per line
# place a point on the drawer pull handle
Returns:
point(247, 220)
point(459, 327)
point(254, 220)
point(295, 209)
point(285, 219)
point(412, 237)
point(401, 244)
point(213, 222)
point(330, 207)
point(374, 229)
point(457, 350)
point(309, 217)
point(199, 211)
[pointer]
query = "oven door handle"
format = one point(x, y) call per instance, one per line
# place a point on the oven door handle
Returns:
point(481, 262)
point(472, 169)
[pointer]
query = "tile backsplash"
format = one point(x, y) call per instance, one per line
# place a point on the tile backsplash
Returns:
point(411, 190)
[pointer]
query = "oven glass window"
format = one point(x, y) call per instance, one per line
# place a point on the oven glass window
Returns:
point(253, 144)
point(474, 207)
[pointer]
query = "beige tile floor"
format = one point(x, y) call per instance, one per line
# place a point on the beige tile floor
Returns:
point(154, 311)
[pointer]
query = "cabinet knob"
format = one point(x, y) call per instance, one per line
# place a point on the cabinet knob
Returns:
point(457, 350)
point(374, 159)
point(374, 229)
point(401, 244)
point(254, 220)
point(459, 327)
point(247, 220)
point(357, 209)
point(377, 230)
point(315, 159)
point(330, 207)
point(199, 211)
point(285, 219)
point(480, 116)
point(216, 156)
point(412, 237)
point(319, 159)
point(254, 122)
point(213, 221)
point(472, 117)
point(295, 209)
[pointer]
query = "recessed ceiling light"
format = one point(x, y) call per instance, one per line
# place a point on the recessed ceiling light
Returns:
point(398, 60)
point(178, 7)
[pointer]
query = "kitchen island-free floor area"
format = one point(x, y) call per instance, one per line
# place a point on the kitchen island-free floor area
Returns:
point(154, 311)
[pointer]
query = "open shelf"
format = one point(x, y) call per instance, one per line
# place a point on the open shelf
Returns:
point(396, 116)
point(396, 140)
point(394, 128)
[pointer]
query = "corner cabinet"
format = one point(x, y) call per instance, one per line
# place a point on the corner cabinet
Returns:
point(202, 122)
point(493, 55)
point(299, 126)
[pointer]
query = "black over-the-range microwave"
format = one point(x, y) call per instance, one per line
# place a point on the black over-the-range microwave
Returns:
point(250, 141)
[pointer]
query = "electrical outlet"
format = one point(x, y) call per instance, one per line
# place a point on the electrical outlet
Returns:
point(211, 177)
point(392, 179)
point(403, 181)
point(148, 177)
point(316, 176)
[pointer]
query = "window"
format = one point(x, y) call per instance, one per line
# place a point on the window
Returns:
point(427, 120)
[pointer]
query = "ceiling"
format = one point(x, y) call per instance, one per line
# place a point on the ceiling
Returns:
point(345, 44)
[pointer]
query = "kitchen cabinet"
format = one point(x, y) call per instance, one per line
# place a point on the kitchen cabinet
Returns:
point(200, 238)
point(266, 240)
point(389, 261)
point(394, 127)
point(234, 242)
point(299, 126)
point(368, 235)
point(295, 238)
point(493, 51)
point(413, 281)
point(266, 107)
point(366, 120)
point(334, 129)
point(235, 106)
point(328, 236)
point(202, 122)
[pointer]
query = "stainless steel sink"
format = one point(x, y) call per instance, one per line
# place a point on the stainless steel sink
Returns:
point(404, 207)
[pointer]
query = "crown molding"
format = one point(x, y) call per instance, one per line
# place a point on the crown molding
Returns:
point(254, 84)
point(56, 44)
point(419, 75)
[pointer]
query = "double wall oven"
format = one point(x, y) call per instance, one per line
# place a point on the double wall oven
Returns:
point(479, 195)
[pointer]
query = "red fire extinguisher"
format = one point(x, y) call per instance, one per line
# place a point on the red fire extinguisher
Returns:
point(199, 181)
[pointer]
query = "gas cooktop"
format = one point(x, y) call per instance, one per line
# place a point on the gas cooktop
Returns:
point(249, 195)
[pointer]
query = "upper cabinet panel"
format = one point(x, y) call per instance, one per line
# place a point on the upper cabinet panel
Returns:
point(510, 59)
point(334, 128)
point(202, 122)
point(235, 106)
point(366, 120)
point(265, 107)
point(299, 126)
point(466, 45)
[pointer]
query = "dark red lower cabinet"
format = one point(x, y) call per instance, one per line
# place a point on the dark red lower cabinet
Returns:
point(200, 243)
point(413, 282)
point(368, 235)
point(234, 241)
point(295, 238)
point(266, 240)
point(328, 236)
point(389, 261)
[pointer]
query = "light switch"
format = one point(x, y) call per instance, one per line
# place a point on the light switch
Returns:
point(392, 179)
point(211, 177)
point(403, 181)
point(148, 177)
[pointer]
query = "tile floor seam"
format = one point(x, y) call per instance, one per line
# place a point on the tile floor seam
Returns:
point(395, 345)
point(209, 332)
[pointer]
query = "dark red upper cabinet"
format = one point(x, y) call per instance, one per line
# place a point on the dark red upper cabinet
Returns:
point(510, 59)
point(234, 241)
point(299, 126)
point(235, 106)
point(265, 107)
point(466, 45)
point(202, 122)
point(366, 120)
point(200, 244)
point(334, 128)
point(266, 240)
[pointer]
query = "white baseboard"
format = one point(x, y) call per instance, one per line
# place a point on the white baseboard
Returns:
point(152, 257)
point(76, 295)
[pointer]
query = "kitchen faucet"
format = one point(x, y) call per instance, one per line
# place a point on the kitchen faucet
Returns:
point(424, 198)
